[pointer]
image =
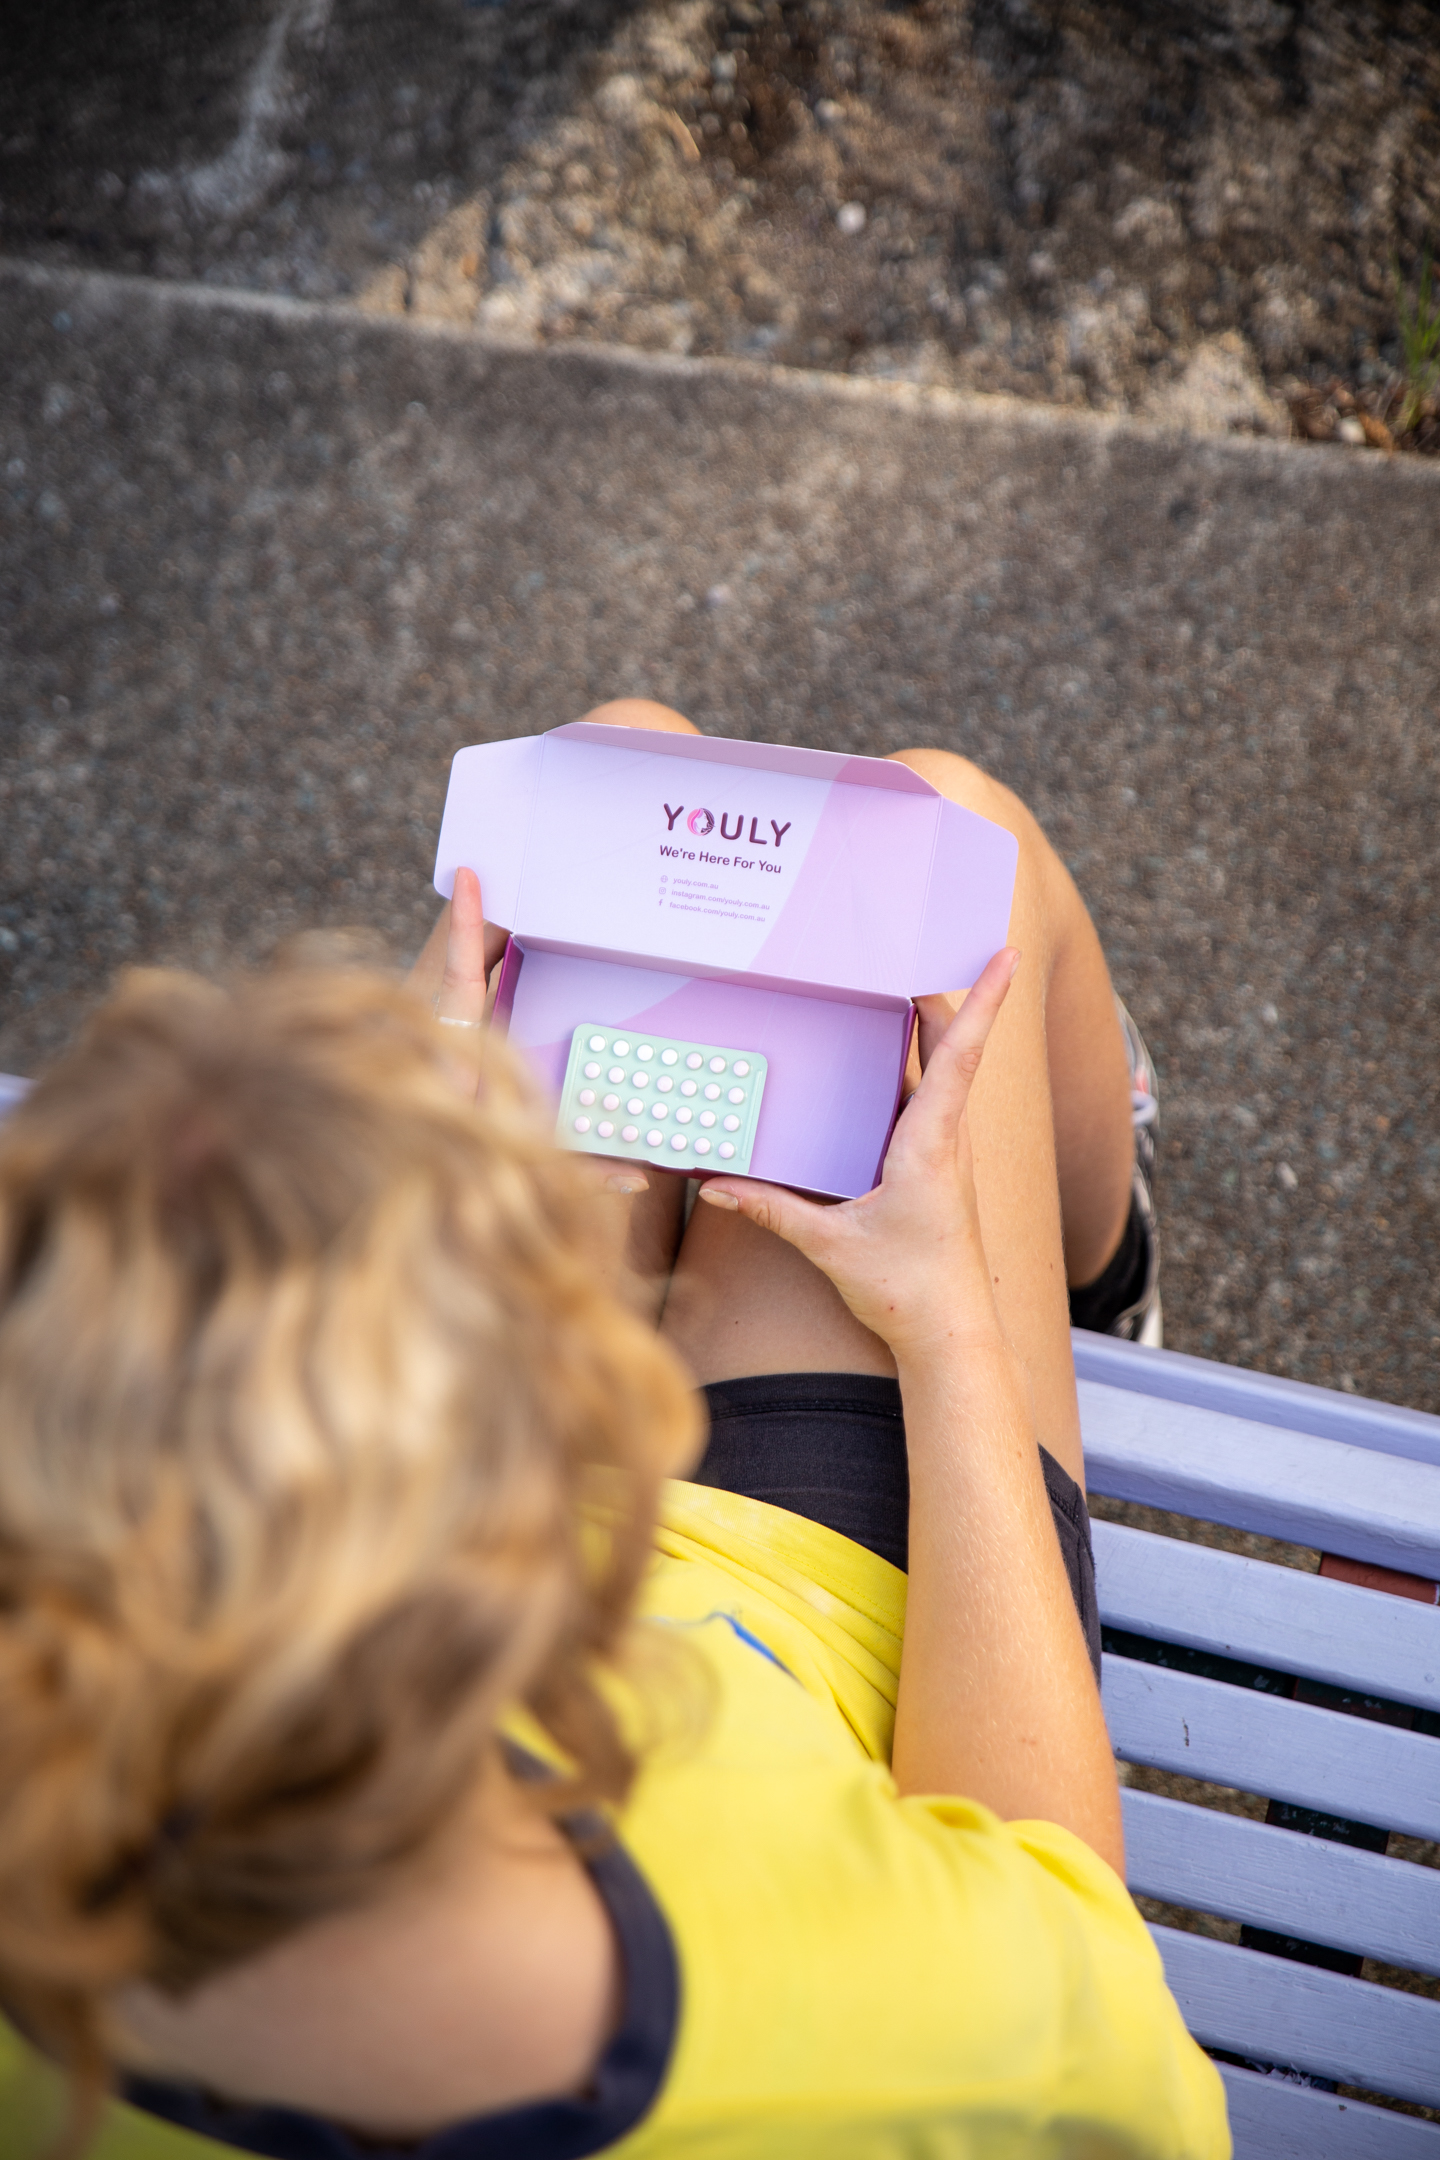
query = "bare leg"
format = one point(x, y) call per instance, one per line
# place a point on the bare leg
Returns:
point(742, 1302)
point(1094, 1146)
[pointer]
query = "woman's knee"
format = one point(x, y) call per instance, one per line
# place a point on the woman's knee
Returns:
point(965, 783)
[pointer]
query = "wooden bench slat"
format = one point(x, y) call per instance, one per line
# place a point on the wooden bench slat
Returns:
point(1273, 2120)
point(1266, 1744)
point(1324, 1493)
point(1305, 1886)
point(1276, 2011)
point(1264, 1398)
point(1250, 1609)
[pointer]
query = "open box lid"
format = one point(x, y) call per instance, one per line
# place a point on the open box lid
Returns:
point(797, 868)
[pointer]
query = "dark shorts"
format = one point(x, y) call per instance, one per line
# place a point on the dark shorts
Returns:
point(831, 1446)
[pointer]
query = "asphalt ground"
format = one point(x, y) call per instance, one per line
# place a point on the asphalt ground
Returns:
point(265, 566)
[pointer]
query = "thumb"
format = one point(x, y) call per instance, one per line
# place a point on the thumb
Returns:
point(955, 1050)
point(802, 1223)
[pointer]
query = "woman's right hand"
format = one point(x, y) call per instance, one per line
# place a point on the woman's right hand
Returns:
point(907, 1258)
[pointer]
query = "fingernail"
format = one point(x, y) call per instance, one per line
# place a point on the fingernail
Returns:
point(719, 1199)
point(1014, 963)
point(627, 1184)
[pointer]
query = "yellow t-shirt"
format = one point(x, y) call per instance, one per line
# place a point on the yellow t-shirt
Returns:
point(862, 1977)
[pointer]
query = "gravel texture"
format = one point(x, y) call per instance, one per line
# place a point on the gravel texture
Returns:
point(1191, 209)
point(264, 566)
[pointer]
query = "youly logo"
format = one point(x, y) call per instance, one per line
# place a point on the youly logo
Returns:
point(701, 823)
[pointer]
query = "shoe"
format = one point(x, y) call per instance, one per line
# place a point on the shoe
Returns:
point(1125, 1299)
point(1142, 1320)
point(1144, 1090)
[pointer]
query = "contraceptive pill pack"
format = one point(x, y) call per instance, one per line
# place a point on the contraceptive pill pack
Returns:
point(736, 903)
point(647, 1098)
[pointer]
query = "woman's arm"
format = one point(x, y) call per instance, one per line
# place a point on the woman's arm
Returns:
point(997, 1699)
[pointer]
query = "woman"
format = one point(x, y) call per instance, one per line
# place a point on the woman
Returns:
point(407, 1740)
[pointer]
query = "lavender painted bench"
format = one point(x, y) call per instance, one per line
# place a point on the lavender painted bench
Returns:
point(1318, 1694)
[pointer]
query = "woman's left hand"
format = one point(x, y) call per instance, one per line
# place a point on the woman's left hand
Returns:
point(459, 956)
point(454, 971)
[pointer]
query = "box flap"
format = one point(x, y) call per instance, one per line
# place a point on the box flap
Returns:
point(762, 757)
point(486, 825)
point(750, 859)
point(967, 903)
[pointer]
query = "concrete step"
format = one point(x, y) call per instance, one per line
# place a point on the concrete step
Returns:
point(266, 565)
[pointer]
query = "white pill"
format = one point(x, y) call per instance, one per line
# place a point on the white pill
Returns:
point(707, 1117)
point(741, 1067)
point(596, 1042)
point(736, 1095)
point(621, 1049)
point(694, 1061)
point(587, 1096)
point(687, 1087)
point(717, 1064)
point(605, 1129)
point(660, 1109)
point(702, 1147)
point(664, 1083)
point(629, 1132)
point(639, 1079)
point(732, 1124)
point(725, 1149)
point(582, 1124)
point(635, 1106)
point(669, 1057)
point(683, 1117)
point(616, 1072)
point(678, 1140)
point(712, 1093)
point(611, 1102)
point(654, 1139)
point(592, 1071)
point(645, 1051)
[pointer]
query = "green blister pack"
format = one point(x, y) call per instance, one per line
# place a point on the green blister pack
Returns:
point(687, 1106)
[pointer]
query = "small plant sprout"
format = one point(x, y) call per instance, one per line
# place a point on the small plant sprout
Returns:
point(1419, 319)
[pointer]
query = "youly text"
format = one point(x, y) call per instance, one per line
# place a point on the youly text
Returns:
point(701, 823)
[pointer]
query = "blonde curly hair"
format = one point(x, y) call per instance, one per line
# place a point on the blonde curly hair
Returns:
point(321, 1444)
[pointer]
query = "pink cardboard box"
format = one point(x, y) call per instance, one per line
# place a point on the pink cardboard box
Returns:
point(787, 901)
